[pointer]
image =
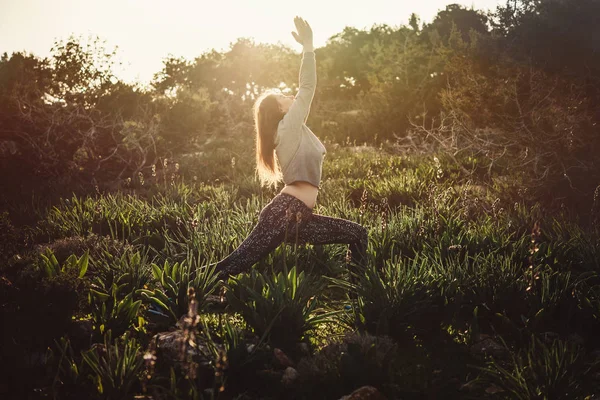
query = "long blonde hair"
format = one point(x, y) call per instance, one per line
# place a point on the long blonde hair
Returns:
point(267, 115)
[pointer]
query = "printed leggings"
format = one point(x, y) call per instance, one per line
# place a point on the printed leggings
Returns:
point(284, 218)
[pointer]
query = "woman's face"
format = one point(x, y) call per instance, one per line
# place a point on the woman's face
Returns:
point(285, 101)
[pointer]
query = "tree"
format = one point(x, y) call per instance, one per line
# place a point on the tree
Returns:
point(463, 19)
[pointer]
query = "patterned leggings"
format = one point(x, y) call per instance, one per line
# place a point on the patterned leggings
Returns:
point(284, 218)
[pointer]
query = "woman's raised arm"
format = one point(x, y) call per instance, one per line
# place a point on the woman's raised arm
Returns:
point(300, 108)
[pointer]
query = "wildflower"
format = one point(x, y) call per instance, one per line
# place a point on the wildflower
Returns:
point(165, 162)
point(534, 248)
point(384, 214)
point(150, 360)
point(363, 202)
point(153, 170)
point(150, 357)
point(222, 293)
point(438, 167)
point(232, 162)
point(141, 178)
point(383, 220)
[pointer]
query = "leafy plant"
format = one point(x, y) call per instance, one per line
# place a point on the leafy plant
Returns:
point(115, 368)
point(542, 371)
point(399, 299)
point(174, 280)
point(70, 369)
point(110, 309)
point(52, 267)
point(281, 308)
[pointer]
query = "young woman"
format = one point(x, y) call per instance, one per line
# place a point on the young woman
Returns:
point(286, 149)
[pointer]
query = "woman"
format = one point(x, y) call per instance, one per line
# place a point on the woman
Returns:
point(287, 149)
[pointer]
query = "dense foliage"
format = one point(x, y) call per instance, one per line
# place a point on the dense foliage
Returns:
point(471, 291)
point(466, 146)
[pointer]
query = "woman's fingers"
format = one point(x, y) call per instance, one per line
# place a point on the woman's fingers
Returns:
point(307, 26)
point(304, 24)
point(303, 28)
point(295, 35)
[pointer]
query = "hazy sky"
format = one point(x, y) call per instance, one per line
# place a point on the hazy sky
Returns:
point(146, 31)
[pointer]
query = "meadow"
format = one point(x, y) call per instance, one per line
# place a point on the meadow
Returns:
point(472, 290)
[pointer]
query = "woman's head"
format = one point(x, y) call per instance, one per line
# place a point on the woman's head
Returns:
point(269, 109)
point(285, 102)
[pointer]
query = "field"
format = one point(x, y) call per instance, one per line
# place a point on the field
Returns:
point(472, 289)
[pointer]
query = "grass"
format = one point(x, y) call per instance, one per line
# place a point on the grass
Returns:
point(452, 258)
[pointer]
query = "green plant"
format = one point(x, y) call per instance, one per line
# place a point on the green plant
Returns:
point(52, 267)
point(542, 371)
point(70, 369)
point(115, 368)
point(280, 307)
point(110, 309)
point(399, 299)
point(175, 280)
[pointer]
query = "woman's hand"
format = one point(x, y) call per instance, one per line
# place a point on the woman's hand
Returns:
point(305, 34)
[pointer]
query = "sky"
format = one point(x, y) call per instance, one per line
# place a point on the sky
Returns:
point(147, 31)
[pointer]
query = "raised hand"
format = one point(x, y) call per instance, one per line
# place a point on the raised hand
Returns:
point(305, 34)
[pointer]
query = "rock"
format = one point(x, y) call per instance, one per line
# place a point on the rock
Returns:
point(216, 303)
point(282, 358)
point(493, 389)
point(303, 347)
point(487, 346)
point(365, 393)
point(270, 375)
point(169, 350)
point(289, 376)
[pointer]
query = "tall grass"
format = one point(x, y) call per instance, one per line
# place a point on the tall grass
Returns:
point(453, 258)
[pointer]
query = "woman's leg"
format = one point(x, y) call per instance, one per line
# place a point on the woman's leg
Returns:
point(321, 229)
point(283, 215)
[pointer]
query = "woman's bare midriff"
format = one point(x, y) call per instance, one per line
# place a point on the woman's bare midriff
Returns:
point(303, 191)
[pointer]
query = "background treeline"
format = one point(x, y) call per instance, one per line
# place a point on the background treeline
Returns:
point(517, 90)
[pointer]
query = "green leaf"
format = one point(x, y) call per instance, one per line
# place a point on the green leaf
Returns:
point(83, 264)
point(144, 292)
point(156, 272)
point(49, 270)
point(99, 295)
point(175, 271)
